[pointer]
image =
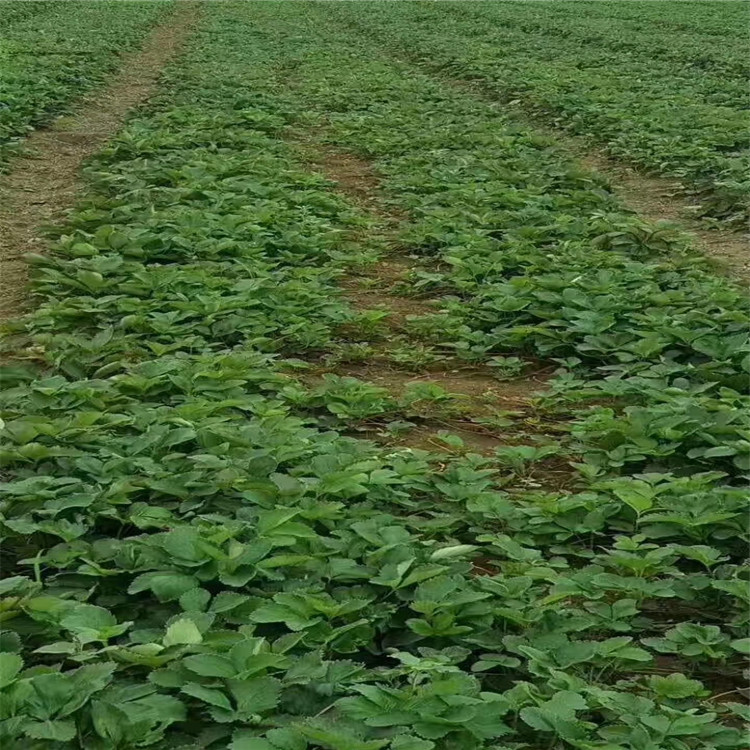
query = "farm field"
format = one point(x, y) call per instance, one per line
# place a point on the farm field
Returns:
point(355, 414)
point(661, 85)
point(52, 51)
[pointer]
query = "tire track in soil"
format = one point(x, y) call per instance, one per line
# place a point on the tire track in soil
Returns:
point(45, 182)
point(482, 395)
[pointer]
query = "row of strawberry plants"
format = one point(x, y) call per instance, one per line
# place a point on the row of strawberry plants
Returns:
point(539, 256)
point(670, 116)
point(550, 264)
point(700, 47)
point(199, 237)
point(18, 10)
point(190, 524)
point(50, 56)
point(700, 17)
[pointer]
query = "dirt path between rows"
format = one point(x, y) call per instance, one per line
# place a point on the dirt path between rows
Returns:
point(42, 185)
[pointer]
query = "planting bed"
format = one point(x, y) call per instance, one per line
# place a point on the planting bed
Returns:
point(660, 85)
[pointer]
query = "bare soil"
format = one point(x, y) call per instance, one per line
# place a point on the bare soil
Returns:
point(475, 383)
point(44, 182)
point(352, 174)
point(426, 437)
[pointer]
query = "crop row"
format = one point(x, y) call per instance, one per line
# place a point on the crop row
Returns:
point(51, 53)
point(698, 17)
point(200, 553)
point(700, 47)
point(18, 10)
point(683, 114)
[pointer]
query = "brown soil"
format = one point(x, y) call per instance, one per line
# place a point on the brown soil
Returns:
point(372, 289)
point(391, 270)
point(473, 382)
point(479, 397)
point(44, 183)
point(426, 437)
point(485, 566)
point(399, 309)
point(352, 175)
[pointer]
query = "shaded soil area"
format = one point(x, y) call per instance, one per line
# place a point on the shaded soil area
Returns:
point(44, 182)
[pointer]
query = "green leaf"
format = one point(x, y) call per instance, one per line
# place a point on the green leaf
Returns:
point(243, 740)
point(410, 742)
point(195, 600)
point(286, 739)
point(274, 612)
point(337, 738)
point(255, 696)
point(675, 686)
point(10, 666)
point(167, 585)
point(89, 623)
point(448, 553)
point(58, 731)
point(740, 709)
point(90, 279)
point(53, 695)
point(638, 495)
point(557, 715)
point(182, 632)
point(226, 601)
point(10, 641)
point(207, 695)
point(210, 665)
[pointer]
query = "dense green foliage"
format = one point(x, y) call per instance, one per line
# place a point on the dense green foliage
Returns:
point(662, 85)
point(197, 551)
point(52, 51)
point(17, 10)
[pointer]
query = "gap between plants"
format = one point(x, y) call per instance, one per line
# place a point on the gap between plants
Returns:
point(44, 183)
